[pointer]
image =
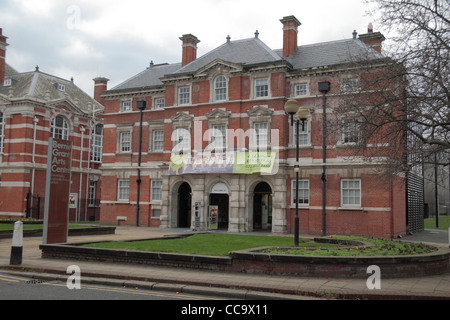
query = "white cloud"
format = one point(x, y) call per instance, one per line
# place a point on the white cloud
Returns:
point(117, 39)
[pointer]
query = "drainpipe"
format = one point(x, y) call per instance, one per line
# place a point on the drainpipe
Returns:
point(88, 174)
point(33, 161)
point(82, 129)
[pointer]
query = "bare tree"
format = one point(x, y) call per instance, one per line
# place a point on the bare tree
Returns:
point(403, 100)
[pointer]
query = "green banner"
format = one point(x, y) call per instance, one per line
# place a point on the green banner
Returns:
point(254, 162)
point(230, 162)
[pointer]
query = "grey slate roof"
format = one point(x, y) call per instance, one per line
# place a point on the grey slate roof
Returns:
point(148, 78)
point(247, 51)
point(331, 53)
point(253, 51)
point(42, 86)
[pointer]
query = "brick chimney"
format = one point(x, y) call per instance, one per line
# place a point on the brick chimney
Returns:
point(3, 46)
point(189, 48)
point(290, 35)
point(372, 39)
point(101, 85)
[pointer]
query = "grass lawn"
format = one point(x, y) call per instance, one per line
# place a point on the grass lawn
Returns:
point(444, 223)
point(221, 244)
point(215, 244)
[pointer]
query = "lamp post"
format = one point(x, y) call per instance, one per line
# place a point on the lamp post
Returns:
point(292, 107)
point(141, 105)
point(324, 87)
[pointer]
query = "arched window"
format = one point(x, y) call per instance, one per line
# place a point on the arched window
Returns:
point(59, 128)
point(220, 88)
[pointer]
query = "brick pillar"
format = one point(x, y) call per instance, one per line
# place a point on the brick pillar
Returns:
point(189, 48)
point(372, 39)
point(3, 46)
point(290, 35)
point(101, 84)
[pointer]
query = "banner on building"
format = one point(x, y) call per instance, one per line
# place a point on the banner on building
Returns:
point(57, 189)
point(230, 162)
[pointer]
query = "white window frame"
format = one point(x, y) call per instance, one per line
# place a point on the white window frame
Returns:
point(351, 133)
point(350, 85)
point(123, 190)
point(97, 144)
point(184, 95)
point(7, 82)
point(61, 87)
point(261, 92)
point(183, 147)
point(303, 189)
point(260, 136)
point(303, 135)
point(92, 191)
point(301, 92)
point(156, 191)
point(158, 145)
point(219, 146)
point(159, 103)
point(351, 192)
point(126, 106)
point(123, 142)
point(220, 92)
point(59, 132)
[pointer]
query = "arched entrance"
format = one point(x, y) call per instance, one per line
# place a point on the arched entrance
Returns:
point(219, 197)
point(184, 206)
point(262, 207)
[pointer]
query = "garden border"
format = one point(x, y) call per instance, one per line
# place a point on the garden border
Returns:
point(253, 261)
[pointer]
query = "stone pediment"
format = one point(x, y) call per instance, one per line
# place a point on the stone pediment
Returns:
point(218, 114)
point(182, 119)
point(72, 106)
point(218, 66)
point(260, 111)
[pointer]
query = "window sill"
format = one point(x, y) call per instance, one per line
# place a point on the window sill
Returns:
point(351, 209)
point(300, 206)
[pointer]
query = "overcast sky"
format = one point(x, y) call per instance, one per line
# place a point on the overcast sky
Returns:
point(116, 39)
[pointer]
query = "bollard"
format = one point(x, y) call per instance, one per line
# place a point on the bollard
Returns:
point(449, 237)
point(17, 244)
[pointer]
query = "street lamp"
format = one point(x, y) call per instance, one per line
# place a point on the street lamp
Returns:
point(292, 107)
point(324, 87)
point(141, 105)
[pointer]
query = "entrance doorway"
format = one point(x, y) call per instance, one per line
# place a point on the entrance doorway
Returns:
point(219, 197)
point(184, 206)
point(221, 200)
point(262, 207)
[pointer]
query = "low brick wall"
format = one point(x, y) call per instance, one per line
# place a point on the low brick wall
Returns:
point(256, 262)
point(72, 232)
point(252, 261)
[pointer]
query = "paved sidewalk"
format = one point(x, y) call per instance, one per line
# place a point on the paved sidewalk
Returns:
point(231, 285)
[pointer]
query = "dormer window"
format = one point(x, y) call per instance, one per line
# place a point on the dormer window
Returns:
point(7, 82)
point(61, 87)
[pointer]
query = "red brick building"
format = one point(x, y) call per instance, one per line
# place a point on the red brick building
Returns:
point(206, 117)
point(33, 107)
